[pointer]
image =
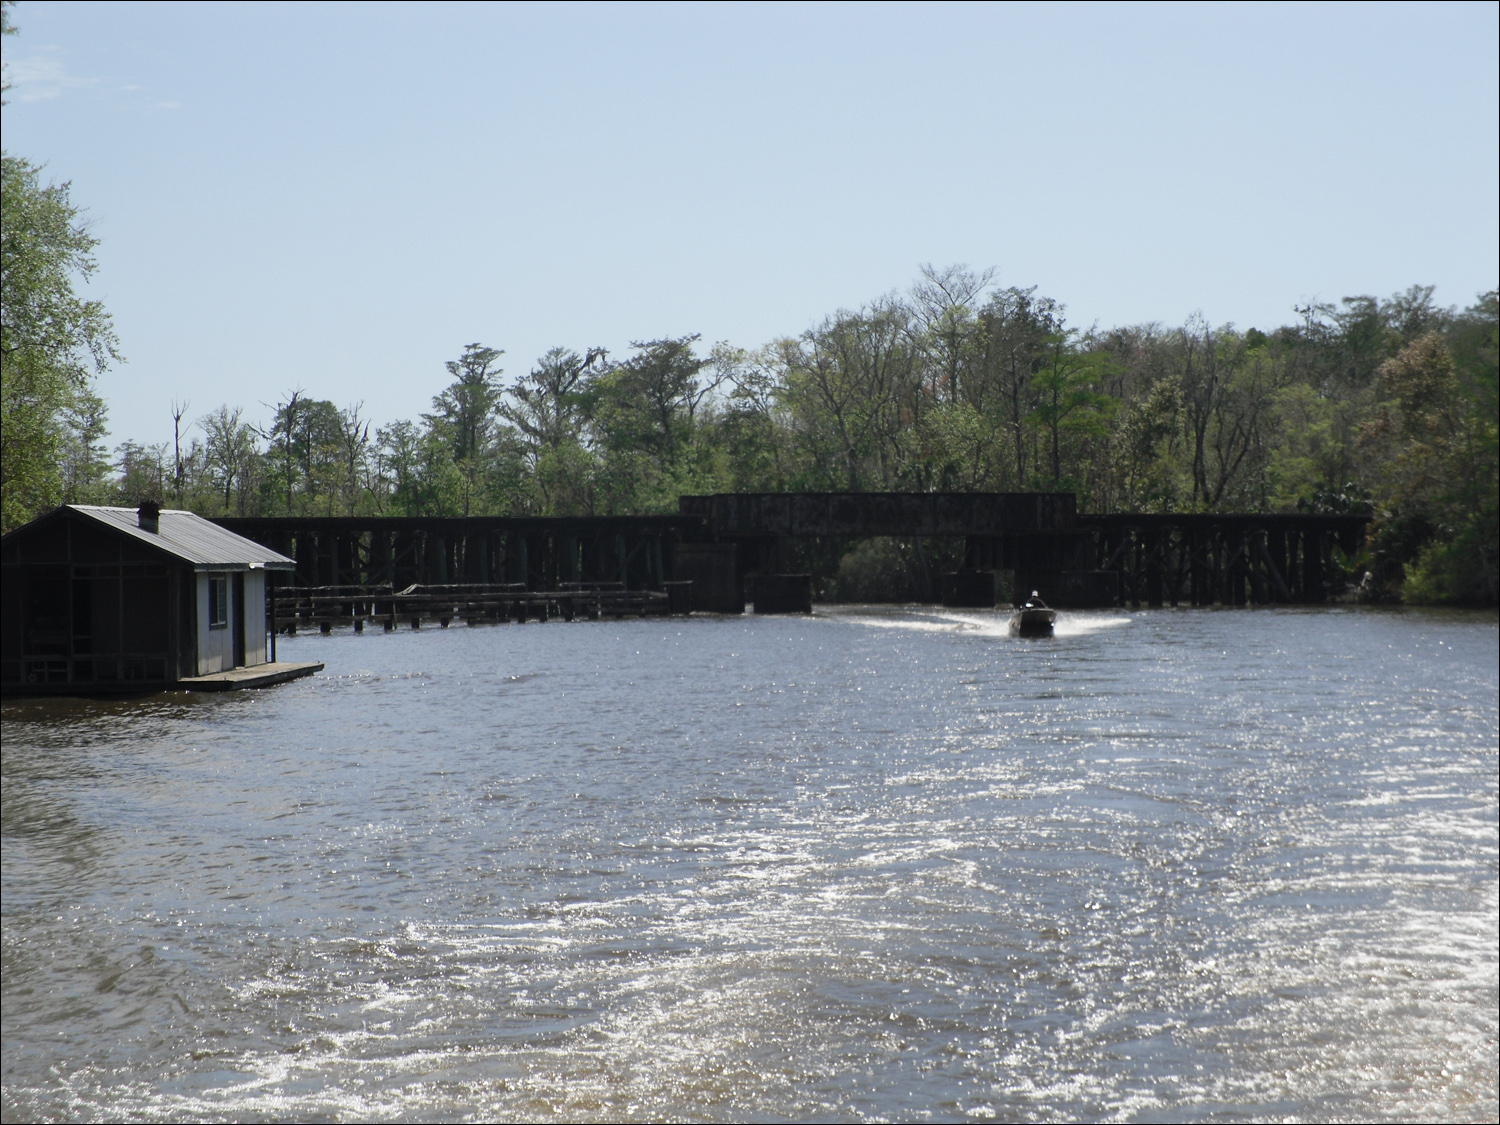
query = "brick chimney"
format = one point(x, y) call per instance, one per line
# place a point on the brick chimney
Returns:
point(149, 516)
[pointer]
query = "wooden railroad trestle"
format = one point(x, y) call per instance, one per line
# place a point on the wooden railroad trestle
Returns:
point(535, 554)
point(1223, 559)
point(483, 568)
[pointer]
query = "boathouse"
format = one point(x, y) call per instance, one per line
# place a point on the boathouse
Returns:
point(100, 598)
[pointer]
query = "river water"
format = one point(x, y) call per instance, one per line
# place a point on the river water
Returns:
point(884, 864)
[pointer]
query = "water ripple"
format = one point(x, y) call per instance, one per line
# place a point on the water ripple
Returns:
point(870, 864)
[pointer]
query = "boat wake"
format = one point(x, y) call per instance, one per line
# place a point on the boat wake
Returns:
point(1070, 623)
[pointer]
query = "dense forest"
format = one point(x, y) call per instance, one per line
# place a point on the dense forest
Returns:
point(1385, 406)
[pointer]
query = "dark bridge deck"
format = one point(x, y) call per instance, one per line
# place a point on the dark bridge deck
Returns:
point(748, 515)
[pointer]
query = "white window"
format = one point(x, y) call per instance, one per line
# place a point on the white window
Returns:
point(218, 601)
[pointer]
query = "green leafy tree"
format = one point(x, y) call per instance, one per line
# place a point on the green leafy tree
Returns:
point(851, 388)
point(465, 412)
point(1438, 465)
point(1068, 395)
point(464, 416)
point(52, 341)
point(550, 408)
point(84, 456)
point(231, 457)
point(648, 425)
point(754, 427)
point(308, 443)
point(1144, 442)
point(399, 453)
point(648, 403)
point(1016, 329)
point(141, 471)
point(551, 404)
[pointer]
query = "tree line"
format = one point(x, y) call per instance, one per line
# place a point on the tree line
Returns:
point(1379, 406)
point(1382, 406)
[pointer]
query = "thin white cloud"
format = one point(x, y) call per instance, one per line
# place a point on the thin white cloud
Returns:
point(37, 77)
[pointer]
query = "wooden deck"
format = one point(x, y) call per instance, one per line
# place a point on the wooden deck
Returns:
point(475, 603)
point(256, 676)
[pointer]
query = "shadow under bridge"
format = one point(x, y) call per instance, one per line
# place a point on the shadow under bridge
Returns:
point(1034, 535)
point(1073, 560)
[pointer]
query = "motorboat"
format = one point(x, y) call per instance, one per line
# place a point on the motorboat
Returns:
point(1034, 619)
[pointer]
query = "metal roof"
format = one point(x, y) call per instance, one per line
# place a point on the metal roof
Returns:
point(190, 538)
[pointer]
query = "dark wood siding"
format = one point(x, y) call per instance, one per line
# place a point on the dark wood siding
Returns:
point(84, 606)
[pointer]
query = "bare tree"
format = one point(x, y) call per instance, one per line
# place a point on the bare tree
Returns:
point(179, 411)
point(852, 381)
point(354, 442)
point(283, 433)
point(942, 304)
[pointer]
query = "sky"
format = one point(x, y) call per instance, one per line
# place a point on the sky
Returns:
point(339, 198)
